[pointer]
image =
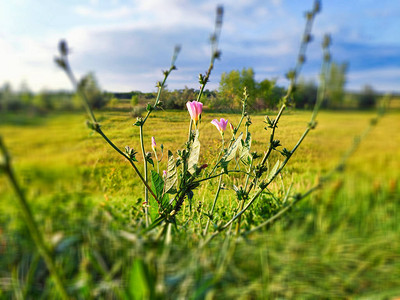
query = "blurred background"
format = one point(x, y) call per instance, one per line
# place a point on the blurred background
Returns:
point(341, 242)
point(126, 42)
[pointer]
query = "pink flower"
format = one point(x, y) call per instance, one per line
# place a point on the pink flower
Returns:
point(153, 142)
point(164, 173)
point(221, 125)
point(195, 108)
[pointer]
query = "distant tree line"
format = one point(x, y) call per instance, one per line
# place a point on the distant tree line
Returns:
point(305, 93)
point(264, 94)
point(44, 101)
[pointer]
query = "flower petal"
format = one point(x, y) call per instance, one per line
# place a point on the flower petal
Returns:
point(216, 124)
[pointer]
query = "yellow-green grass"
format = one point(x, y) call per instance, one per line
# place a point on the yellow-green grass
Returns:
point(340, 242)
point(64, 146)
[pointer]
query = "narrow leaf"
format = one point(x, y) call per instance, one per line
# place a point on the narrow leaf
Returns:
point(141, 283)
point(172, 175)
point(194, 154)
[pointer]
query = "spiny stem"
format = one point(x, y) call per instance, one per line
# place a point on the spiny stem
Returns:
point(66, 67)
point(210, 213)
point(306, 38)
point(160, 87)
point(130, 161)
point(263, 186)
point(220, 174)
point(323, 179)
point(146, 192)
point(242, 202)
point(214, 55)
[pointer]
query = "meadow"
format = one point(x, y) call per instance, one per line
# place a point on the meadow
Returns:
point(340, 242)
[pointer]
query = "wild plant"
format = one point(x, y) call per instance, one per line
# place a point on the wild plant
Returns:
point(165, 191)
point(178, 183)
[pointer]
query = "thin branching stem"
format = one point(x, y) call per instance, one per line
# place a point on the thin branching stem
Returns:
point(242, 202)
point(264, 185)
point(160, 85)
point(293, 75)
point(146, 191)
point(323, 180)
point(220, 174)
point(210, 213)
point(204, 79)
point(130, 161)
point(95, 126)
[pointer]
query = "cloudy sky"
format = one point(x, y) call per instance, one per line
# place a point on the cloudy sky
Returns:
point(128, 42)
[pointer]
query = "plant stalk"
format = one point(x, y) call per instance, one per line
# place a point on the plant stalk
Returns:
point(33, 228)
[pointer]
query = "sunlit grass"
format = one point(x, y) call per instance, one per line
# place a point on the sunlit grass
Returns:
point(340, 242)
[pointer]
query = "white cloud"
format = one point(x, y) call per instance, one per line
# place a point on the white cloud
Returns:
point(382, 79)
point(116, 13)
point(127, 43)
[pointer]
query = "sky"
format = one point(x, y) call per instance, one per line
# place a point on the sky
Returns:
point(127, 43)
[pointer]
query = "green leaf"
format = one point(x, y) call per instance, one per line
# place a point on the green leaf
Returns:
point(141, 284)
point(230, 154)
point(244, 150)
point(153, 208)
point(273, 171)
point(194, 153)
point(172, 175)
point(158, 183)
point(150, 160)
point(158, 186)
point(165, 200)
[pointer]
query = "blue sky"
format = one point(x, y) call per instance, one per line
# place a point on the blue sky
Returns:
point(128, 42)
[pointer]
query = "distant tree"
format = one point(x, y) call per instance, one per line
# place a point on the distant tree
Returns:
point(247, 80)
point(268, 93)
point(134, 100)
point(25, 95)
point(230, 92)
point(305, 94)
point(8, 99)
point(43, 101)
point(113, 102)
point(177, 99)
point(90, 86)
point(335, 85)
point(368, 98)
point(231, 87)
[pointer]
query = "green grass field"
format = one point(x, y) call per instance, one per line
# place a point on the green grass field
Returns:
point(341, 242)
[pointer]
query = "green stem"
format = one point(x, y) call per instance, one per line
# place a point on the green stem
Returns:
point(220, 174)
point(158, 161)
point(218, 189)
point(324, 179)
point(130, 161)
point(271, 139)
point(146, 191)
point(242, 203)
point(300, 61)
point(74, 82)
point(32, 225)
point(210, 213)
point(190, 130)
point(98, 129)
